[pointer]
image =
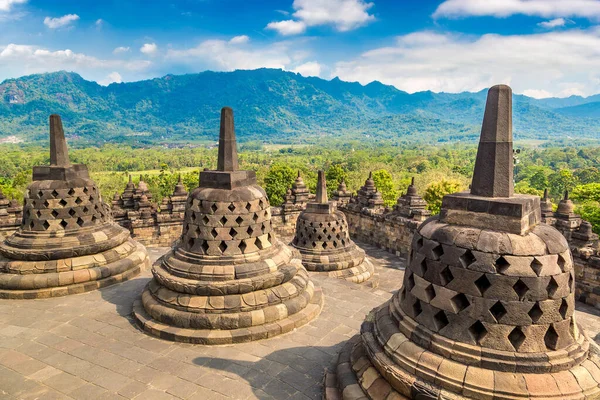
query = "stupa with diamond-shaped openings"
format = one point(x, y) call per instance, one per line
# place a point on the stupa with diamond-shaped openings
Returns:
point(486, 310)
point(324, 242)
point(67, 242)
point(229, 279)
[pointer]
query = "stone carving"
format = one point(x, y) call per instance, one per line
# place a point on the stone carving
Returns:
point(67, 242)
point(324, 242)
point(229, 279)
point(11, 214)
point(368, 199)
point(411, 205)
point(342, 196)
point(486, 310)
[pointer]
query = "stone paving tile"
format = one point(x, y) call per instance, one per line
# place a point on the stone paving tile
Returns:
point(87, 347)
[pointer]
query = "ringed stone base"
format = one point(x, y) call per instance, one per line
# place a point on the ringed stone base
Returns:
point(226, 336)
point(55, 278)
point(363, 273)
point(400, 369)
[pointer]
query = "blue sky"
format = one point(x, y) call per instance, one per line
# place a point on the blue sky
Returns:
point(540, 47)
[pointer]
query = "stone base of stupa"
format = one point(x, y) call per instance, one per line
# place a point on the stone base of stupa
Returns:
point(20, 279)
point(383, 363)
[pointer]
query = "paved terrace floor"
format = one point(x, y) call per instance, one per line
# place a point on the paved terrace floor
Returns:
point(87, 347)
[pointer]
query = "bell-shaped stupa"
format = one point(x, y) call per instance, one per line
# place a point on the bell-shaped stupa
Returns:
point(486, 310)
point(229, 279)
point(324, 242)
point(67, 242)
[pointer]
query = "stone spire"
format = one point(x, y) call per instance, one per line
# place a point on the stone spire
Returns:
point(321, 189)
point(59, 153)
point(493, 174)
point(228, 159)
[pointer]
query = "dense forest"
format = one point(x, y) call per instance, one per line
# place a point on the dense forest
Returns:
point(438, 169)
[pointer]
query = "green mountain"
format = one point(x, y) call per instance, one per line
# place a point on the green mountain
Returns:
point(271, 106)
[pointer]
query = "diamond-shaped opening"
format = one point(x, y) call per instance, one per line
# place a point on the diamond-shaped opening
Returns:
point(94, 218)
point(319, 237)
point(46, 225)
point(78, 200)
point(410, 282)
point(430, 292)
point(417, 309)
point(441, 320)
point(193, 216)
point(40, 194)
point(233, 233)
point(438, 251)
point(335, 244)
point(498, 311)
point(223, 246)
point(535, 313)
point(320, 224)
point(258, 243)
point(54, 213)
point(467, 259)
point(46, 203)
point(520, 289)
point(324, 245)
point(204, 246)
point(551, 338)
point(564, 308)
point(72, 212)
point(263, 227)
point(260, 203)
point(250, 231)
point(205, 220)
point(561, 262)
point(343, 242)
point(85, 190)
point(419, 243)
point(446, 276)
point(31, 225)
point(571, 281)
point(214, 233)
point(85, 209)
point(231, 207)
point(314, 245)
point(242, 246)
point(214, 207)
point(80, 221)
point(71, 192)
point(38, 213)
point(239, 220)
point(62, 202)
point(501, 264)
point(552, 287)
point(255, 217)
point(248, 206)
point(190, 243)
point(54, 194)
point(423, 267)
point(516, 338)
point(459, 302)
point(477, 331)
point(483, 284)
point(536, 266)
point(223, 220)
point(64, 224)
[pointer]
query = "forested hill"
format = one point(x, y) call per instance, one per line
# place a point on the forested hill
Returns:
point(271, 106)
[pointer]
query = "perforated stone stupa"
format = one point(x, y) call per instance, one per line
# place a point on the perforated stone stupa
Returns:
point(229, 279)
point(67, 242)
point(324, 242)
point(486, 308)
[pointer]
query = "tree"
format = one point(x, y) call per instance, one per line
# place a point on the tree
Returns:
point(385, 184)
point(277, 182)
point(436, 191)
point(561, 181)
point(539, 181)
point(590, 211)
point(584, 193)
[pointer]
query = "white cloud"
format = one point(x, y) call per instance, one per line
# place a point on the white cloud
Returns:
point(553, 62)
point(311, 68)
point(121, 49)
point(553, 23)
point(99, 23)
point(149, 48)
point(504, 8)
point(18, 60)
point(239, 39)
point(54, 23)
point(537, 93)
point(113, 77)
point(6, 5)
point(344, 15)
point(288, 27)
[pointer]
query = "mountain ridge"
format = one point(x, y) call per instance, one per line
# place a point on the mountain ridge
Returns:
point(272, 106)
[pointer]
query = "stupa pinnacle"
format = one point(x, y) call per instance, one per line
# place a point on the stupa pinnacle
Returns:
point(229, 279)
point(67, 242)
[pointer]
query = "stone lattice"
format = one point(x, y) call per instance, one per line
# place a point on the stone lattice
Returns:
point(486, 310)
point(67, 242)
point(229, 279)
point(324, 242)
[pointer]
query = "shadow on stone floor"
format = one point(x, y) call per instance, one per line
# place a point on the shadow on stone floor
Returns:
point(289, 373)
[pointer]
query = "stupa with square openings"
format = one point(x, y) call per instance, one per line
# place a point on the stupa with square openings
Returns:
point(324, 242)
point(229, 279)
point(486, 310)
point(67, 242)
